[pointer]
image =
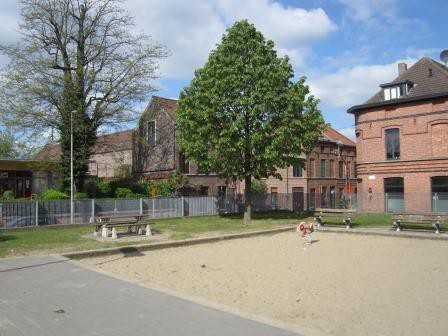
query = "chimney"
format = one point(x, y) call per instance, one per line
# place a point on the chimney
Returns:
point(402, 67)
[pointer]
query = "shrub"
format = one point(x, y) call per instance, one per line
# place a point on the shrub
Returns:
point(105, 189)
point(259, 187)
point(81, 195)
point(123, 192)
point(7, 196)
point(53, 194)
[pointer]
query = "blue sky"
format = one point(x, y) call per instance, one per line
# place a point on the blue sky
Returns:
point(345, 48)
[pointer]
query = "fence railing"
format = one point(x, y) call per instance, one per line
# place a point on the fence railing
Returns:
point(36, 213)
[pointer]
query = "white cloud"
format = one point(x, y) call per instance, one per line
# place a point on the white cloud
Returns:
point(350, 86)
point(349, 132)
point(191, 29)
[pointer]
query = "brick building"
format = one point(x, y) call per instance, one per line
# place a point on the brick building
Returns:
point(402, 142)
point(327, 178)
point(110, 157)
point(157, 156)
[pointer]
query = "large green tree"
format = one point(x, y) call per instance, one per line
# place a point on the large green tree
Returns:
point(80, 60)
point(243, 116)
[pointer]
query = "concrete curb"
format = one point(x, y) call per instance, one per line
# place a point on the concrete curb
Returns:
point(384, 233)
point(156, 246)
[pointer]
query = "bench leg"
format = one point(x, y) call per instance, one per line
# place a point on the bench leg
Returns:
point(437, 228)
point(148, 230)
point(397, 226)
point(348, 223)
point(96, 231)
point(139, 229)
point(104, 231)
point(319, 221)
point(114, 233)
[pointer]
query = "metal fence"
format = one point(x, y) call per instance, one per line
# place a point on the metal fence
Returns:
point(36, 213)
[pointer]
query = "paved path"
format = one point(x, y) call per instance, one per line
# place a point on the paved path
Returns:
point(51, 296)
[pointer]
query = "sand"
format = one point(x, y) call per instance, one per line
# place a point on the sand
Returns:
point(340, 285)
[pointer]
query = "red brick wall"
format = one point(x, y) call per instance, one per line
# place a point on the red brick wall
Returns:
point(423, 129)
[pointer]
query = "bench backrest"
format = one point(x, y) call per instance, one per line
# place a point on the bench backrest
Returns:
point(422, 216)
point(335, 212)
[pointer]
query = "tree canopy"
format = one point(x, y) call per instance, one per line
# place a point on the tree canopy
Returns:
point(243, 116)
point(7, 145)
point(80, 59)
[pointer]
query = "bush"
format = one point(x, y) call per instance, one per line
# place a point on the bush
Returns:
point(259, 187)
point(7, 196)
point(105, 189)
point(53, 194)
point(81, 195)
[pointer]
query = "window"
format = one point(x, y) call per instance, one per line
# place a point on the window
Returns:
point(394, 194)
point(393, 144)
point(324, 197)
point(331, 168)
point(152, 132)
point(297, 171)
point(340, 169)
point(274, 197)
point(439, 189)
point(348, 170)
point(184, 166)
point(397, 91)
point(323, 168)
point(312, 164)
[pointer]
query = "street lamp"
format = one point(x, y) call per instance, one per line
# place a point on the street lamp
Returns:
point(71, 168)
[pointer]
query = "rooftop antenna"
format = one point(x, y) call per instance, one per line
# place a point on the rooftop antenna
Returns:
point(444, 56)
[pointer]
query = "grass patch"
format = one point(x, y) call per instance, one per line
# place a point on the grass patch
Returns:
point(52, 240)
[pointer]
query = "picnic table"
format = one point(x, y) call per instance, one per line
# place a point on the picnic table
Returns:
point(345, 215)
point(114, 221)
point(399, 220)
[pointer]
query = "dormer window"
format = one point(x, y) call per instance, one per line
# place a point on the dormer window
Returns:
point(397, 90)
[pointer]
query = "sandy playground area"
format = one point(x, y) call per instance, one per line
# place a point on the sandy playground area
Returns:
point(340, 285)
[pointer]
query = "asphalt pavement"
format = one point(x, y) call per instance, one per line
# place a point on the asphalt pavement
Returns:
point(53, 296)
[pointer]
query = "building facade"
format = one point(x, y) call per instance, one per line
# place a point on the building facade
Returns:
point(25, 178)
point(110, 157)
point(156, 155)
point(402, 142)
point(325, 179)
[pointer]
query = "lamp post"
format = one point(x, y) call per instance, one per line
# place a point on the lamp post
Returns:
point(71, 168)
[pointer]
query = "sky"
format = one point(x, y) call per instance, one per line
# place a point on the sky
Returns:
point(345, 48)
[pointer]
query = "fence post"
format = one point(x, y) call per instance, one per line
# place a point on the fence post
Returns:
point(153, 208)
point(182, 206)
point(141, 206)
point(92, 218)
point(37, 212)
point(1, 215)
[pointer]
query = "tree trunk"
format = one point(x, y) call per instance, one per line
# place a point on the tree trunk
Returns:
point(247, 200)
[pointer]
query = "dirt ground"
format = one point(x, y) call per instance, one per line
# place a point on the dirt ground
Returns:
point(340, 285)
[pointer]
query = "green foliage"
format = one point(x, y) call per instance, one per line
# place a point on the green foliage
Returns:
point(7, 196)
point(53, 194)
point(127, 193)
point(259, 187)
point(80, 195)
point(243, 115)
point(173, 186)
point(105, 188)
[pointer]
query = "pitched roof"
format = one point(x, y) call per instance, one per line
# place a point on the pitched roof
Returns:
point(169, 105)
point(429, 78)
point(114, 142)
point(330, 134)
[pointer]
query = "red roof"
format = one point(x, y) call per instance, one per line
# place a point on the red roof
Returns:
point(114, 142)
point(333, 135)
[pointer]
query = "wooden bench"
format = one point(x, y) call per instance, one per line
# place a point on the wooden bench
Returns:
point(345, 215)
point(113, 222)
point(419, 219)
